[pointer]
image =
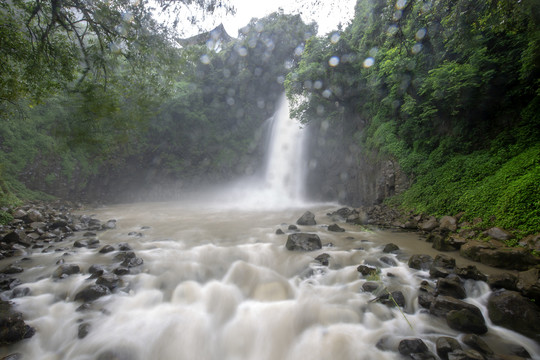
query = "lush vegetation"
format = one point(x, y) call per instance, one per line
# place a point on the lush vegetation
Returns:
point(96, 98)
point(449, 89)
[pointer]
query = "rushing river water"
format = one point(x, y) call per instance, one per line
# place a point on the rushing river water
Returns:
point(218, 283)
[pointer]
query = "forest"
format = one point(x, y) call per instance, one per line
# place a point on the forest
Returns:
point(99, 100)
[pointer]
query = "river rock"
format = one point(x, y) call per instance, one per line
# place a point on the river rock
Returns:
point(446, 345)
point(367, 270)
point(65, 270)
point(420, 262)
point(451, 286)
point(12, 326)
point(528, 284)
point(92, 292)
point(477, 343)
point(429, 224)
point(370, 286)
point(108, 280)
point(466, 320)
point(499, 234)
point(33, 215)
point(279, 232)
point(439, 242)
point(506, 281)
point(14, 236)
point(323, 259)
point(335, 228)
point(443, 265)
point(448, 223)
point(392, 299)
point(388, 260)
point(412, 347)
point(426, 294)
point(83, 330)
point(513, 311)
point(12, 269)
point(110, 224)
point(124, 246)
point(390, 248)
point(308, 218)
point(106, 249)
point(470, 272)
point(303, 242)
point(132, 262)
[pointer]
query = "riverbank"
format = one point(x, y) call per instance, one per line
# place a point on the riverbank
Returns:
point(90, 264)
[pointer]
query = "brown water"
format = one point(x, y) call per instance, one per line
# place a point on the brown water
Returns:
point(218, 283)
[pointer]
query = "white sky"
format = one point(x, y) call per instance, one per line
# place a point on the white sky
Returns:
point(326, 13)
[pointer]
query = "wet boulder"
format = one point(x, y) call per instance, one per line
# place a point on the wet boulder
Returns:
point(443, 265)
point(92, 292)
point(110, 224)
point(506, 281)
point(446, 345)
point(448, 223)
point(465, 355)
point(367, 270)
point(132, 262)
point(303, 242)
point(308, 218)
point(470, 272)
point(390, 248)
point(106, 249)
point(12, 326)
point(451, 286)
point(429, 224)
point(459, 315)
point(515, 312)
point(499, 234)
point(528, 284)
point(477, 343)
point(415, 348)
point(66, 270)
point(323, 259)
point(420, 262)
point(109, 280)
point(335, 228)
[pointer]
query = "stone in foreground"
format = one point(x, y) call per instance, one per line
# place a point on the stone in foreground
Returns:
point(303, 242)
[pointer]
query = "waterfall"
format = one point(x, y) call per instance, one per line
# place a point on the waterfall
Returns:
point(284, 176)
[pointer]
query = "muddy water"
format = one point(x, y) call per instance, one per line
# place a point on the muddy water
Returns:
point(218, 283)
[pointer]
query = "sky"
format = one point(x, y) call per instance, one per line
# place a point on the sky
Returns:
point(326, 13)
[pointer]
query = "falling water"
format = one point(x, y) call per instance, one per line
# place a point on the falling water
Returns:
point(284, 169)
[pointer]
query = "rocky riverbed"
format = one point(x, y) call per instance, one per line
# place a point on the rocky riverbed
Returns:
point(55, 231)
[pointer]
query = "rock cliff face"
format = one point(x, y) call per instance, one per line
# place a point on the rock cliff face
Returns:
point(338, 169)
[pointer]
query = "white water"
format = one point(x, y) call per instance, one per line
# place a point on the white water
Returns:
point(218, 284)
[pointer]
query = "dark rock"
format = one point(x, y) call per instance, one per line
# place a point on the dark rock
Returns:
point(456, 241)
point(475, 342)
point(446, 345)
point(529, 284)
point(292, 227)
point(12, 326)
point(14, 237)
point(443, 265)
point(132, 262)
point(440, 243)
point(81, 244)
point(59, 224)
point(367, 270)
point(472, 249)
point(106, 249)
point(8, 283)
point(92, 292)
point(451, 286)
point(125, 255)
point(83, 330)
point(465, 320)
point(124, 247)
point(323, 259)
point(420, 262)
point(518, 350)
point(388, 260)
point(121, 271)
point(303, 242)
point(390, 248)
point(308, 218)
point(506, 281)
point(12, 269)
point(135, 234)
point(442, 305)
point(65, 270)
point(407, 347)
point(370, 286)
point(470, 272)
point(96, 269)
point(508, 258)
point(109, 280)
point(89, 234)
point(393, 299)
point(465, 355)
point(14, 356)
point(499, 234)
point(33, 215)
point(513, 311)
point(335, 228)
point(117, 354)
point(425, 299)
point(279, 232)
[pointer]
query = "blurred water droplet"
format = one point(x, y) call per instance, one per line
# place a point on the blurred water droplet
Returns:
point(334, 61)
point(230, 101)
point(205, 59)
point(397, 15)
point(392, 30)
point(280, 79)
point(334, 38)
point(299, 50)
point(308, 84)
point(317, 84)
point(416, 48)
point(320, 109)
point(288, 64)
point(373, 51)
point(369, 62)
point(420, 34)
point(242, 51)
point(400, 4)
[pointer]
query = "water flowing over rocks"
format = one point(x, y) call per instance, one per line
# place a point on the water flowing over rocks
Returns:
point(430, 309)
